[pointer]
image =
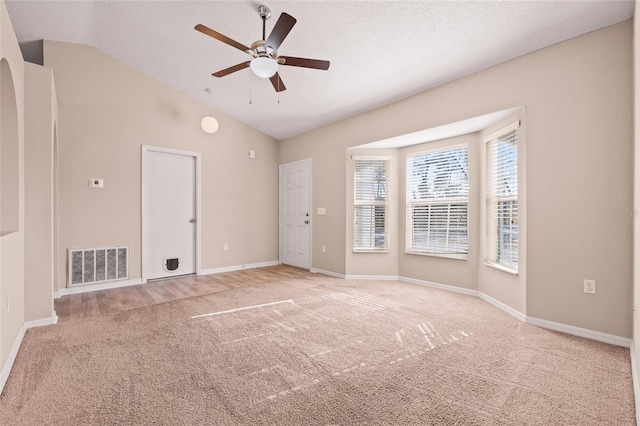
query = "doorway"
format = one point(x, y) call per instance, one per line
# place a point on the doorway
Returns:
point(170, 212)
point(295, 214)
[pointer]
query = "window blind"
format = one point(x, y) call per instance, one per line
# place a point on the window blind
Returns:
point(438, 202)
point(502, 200)
point(370, 204)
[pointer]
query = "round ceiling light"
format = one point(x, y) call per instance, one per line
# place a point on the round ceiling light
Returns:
point(209, 124)
point(264, 67)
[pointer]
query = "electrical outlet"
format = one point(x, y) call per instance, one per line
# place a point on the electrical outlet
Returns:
point(324, 249)
point(226, 247)
point(590, 286)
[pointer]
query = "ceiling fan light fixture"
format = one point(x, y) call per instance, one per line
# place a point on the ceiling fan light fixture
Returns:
point(264, 67)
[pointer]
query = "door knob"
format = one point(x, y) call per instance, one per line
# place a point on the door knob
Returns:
point(192, 220)
point(306, 221)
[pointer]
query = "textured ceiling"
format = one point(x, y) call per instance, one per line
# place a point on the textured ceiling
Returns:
point(380, 51)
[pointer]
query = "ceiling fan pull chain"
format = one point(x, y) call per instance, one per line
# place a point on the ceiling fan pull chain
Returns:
point(250, 102)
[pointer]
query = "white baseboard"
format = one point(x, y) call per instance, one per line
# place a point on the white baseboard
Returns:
point(53, 319)
point(372, 277)
point(8, 365)
point(13, 353)
point(504, 307)
point(330, 273)
point(568, 329)
point(581, 332)
point(439, 286)
point(96, 287)
point(238, 267)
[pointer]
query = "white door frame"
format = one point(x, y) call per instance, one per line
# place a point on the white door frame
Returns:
point(146, 149)
point(310, 187)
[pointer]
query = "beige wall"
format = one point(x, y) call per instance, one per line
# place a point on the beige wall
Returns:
point(107, 111)
point(636, 191)
point(326, 149)
point(40, 118)
point(12, 245)
point(457, 272)
point(508, 288)
point(363, 263)
point(578, 102)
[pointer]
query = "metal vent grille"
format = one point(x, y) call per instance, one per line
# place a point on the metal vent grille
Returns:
point(97, 265)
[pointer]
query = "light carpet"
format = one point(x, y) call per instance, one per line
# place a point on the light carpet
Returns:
point(316, 350)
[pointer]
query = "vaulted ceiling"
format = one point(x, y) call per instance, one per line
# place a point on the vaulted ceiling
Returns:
point(380, 51)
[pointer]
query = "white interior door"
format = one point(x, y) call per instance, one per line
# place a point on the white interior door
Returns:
point(169, 217)
point(295, 213)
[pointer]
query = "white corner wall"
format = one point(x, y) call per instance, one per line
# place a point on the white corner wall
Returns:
point(12, 244)
point(40, 119)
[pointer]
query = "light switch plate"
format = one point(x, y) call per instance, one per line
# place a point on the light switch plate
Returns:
point(322, 211)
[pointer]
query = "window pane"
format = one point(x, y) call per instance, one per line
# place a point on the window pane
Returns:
point(437, 202)
point(434, 176)
point(370, 198)
point(502, 200)
point(439, 229)
point(370, 227)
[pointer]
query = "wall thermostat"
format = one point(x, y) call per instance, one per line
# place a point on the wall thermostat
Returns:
point(96, 183)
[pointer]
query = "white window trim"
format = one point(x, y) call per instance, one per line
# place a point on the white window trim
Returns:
point(495, 135)
point(501, 267)
point(490, 138)
point(385, 203)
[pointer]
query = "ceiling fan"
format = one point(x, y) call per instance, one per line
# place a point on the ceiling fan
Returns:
point(265, 52)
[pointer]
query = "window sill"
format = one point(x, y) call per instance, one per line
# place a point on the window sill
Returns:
point(446, 256)
point(501, 268)
point(381, 251)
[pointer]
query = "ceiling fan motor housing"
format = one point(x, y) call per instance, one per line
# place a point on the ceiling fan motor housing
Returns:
point(264, 11)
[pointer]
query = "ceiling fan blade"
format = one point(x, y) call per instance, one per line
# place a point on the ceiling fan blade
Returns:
point(277, 83)
point(305, 63)
point(280, 31)
point(232, 69)
point(223, 38)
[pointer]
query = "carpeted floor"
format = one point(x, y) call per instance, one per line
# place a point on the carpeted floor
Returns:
point(316, 350)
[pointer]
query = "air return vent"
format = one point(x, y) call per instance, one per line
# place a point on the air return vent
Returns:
point(98, 265)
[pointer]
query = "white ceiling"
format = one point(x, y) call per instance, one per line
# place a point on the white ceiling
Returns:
point(380, 51)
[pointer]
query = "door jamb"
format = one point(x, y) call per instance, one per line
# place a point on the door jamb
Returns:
point(309, 200)
point(146, 149)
